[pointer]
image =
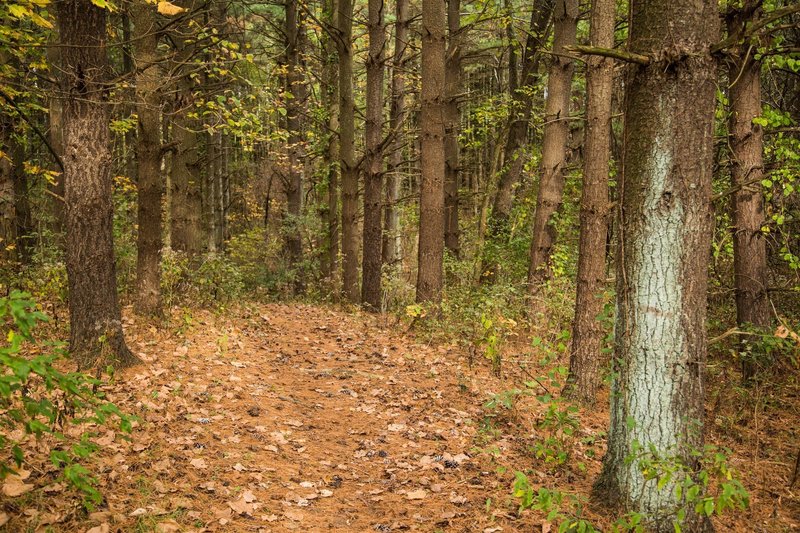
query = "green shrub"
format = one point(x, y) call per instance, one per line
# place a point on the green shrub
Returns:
point(40, 400)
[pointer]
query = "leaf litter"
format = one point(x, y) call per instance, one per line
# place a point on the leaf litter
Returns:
point(301, 418)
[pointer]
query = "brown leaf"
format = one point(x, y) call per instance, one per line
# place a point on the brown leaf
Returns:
point(240, 506)
point(419, 494)
point(102, 528)
point(168, 526)
point(14, 486)
point(295, 515)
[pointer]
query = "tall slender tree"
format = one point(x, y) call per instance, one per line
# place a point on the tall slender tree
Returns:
point(452, 123)
point(293, 184)
point(373, 168)
point(747, 172)
point(665, 232)
point(519, 119)
point(554, 143)
point(391, 234)
point(432, 126)
point(148, 156)
point(347, 157)
point(186, 232)
point(587, 331)
point(330, 92)
point(96, 335)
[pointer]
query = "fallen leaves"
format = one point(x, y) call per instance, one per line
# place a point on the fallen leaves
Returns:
point(419, 494)
point(199, 463)
point(14, 484)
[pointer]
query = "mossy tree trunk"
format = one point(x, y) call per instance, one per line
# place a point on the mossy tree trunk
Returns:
point(665, 231)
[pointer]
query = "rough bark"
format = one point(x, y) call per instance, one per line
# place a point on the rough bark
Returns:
point(432, 127)
point(207, 192)
point(96, 336)
point(665, 229)
point(391, 236)
point(747, 170)
point(22, 207)
point(554, 143)
point(519, 120)
point(148, 150)
point(347, 162)
point(186, 183)
point(8, 222)
point(330, 91)
point(56, 139)
point(293, 184)
point(185, 208)
point(587, 333)
point(373, 168)
point(452, 77)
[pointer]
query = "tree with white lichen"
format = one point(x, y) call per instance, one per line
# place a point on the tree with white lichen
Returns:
point(665, 222)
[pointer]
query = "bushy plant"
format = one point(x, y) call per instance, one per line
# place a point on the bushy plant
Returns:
point(37, 399)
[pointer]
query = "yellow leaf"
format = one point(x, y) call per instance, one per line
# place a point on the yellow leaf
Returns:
point(169, 9)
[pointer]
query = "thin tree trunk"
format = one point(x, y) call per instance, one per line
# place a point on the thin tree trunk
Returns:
point(587, 331)
point(330, 98)
point(209, 193)
point(344, 21)
point(295, 86)
point(519, 120)
point(373, 171)
point(665, 232)
point(554, 143)
point(22, 207)
point(96, 336)
point(56, 139)
point(747, 169)
point(8, 216)
point(149, 184)
point(452, 125)
point(432, 126)
point(392, 239)
point(186, 203)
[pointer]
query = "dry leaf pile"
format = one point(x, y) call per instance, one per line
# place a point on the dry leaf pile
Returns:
point(293, 417)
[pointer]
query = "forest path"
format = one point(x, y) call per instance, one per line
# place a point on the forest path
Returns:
point(293, 417)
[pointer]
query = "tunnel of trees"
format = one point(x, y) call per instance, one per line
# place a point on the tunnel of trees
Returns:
point(626, 172)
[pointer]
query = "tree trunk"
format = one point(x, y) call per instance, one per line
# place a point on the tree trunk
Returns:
point(96, 336)
point(185, 209)
point(373, 171)
point(432, 126)
point(295, 86)
point(8, 216)
point(587, 331)
point(519, 120)
point(22, 206)
point(330, 92)
point(209, 192)
point(149, 184)
point(55, 136)
point(391, 236)
point(747, 171)
point(554, 143)
point(344, 21)
point(665, 232)
point(452, 123)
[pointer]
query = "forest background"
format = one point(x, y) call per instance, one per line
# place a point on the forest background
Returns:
point(456, 165)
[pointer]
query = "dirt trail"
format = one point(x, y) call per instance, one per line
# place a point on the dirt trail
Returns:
point(301, 418)
point(297, 418)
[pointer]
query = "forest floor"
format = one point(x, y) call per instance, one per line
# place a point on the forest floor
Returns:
point(304, 418)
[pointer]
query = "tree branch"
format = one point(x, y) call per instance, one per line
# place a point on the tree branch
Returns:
point(613, 53)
